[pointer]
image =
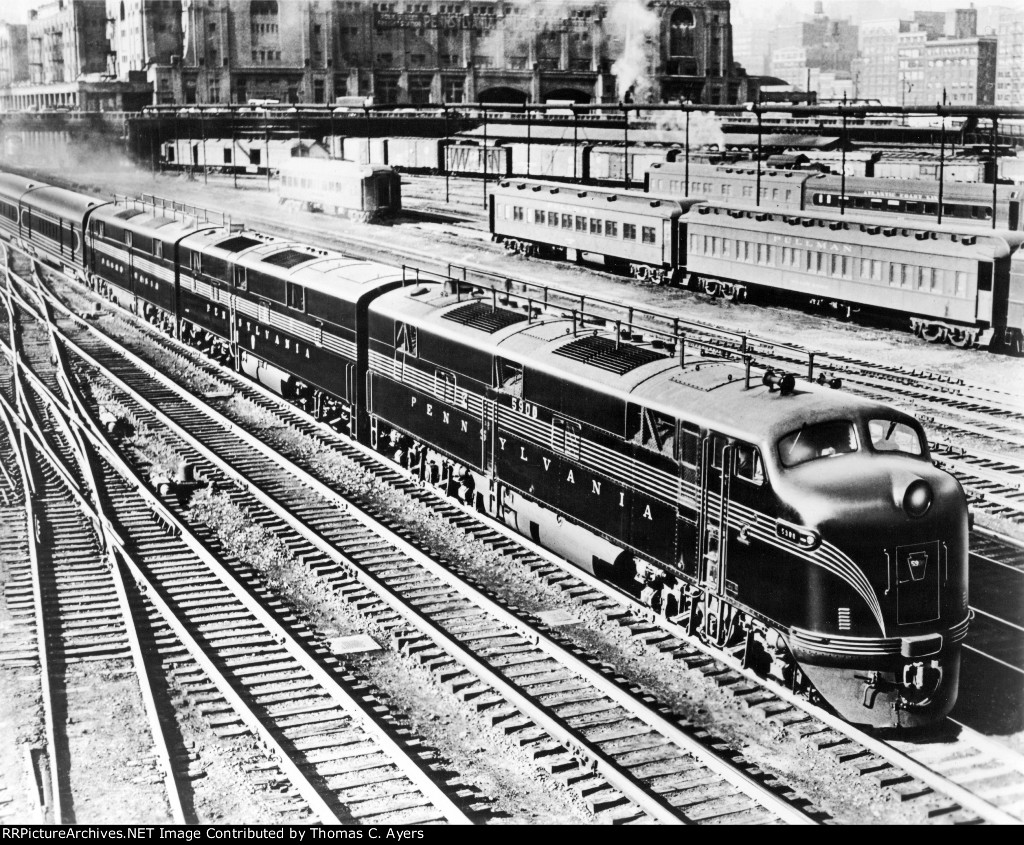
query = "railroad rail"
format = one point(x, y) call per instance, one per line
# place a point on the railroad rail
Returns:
point(648, 627)
point(705, 783)
point(237, 636)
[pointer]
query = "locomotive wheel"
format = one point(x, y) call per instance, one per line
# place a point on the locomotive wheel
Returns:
point(933, 333)
point(961, 338)
point(712, 288)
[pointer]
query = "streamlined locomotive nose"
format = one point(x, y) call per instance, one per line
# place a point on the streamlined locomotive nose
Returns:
point(882, 639)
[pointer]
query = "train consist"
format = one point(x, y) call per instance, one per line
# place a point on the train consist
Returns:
point(963, 203)
point(791, 524)
point(362, 192)
point(953, 284)
point(596, 163)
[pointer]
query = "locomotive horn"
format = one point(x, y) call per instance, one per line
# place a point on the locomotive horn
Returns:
point(785, 383)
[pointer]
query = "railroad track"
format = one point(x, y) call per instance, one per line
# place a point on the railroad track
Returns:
point(248, 650)
point(889, 767)
point(76, 612)
point(564, 709)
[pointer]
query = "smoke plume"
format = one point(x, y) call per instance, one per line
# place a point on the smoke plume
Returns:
point(636, 26)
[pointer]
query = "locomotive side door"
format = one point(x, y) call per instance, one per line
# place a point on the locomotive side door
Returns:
point(129, 267)
point(713, 512)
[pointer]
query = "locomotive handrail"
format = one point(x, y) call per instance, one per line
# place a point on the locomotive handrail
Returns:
point(738, 346)
point(172, 206)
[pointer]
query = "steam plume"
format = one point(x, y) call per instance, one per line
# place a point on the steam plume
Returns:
point(637, 27)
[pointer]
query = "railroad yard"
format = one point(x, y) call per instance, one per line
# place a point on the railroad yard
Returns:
point(217, 609)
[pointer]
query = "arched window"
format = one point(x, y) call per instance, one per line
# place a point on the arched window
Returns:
point(680, 33)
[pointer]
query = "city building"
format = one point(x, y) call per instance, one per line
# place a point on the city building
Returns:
point(876, 69)
point(1008, 28)
point(141, 34)
point(961, 71)
point(66, 39)
point(802, 52)
point(911, 48)
point(13, 53)
point(422, 52)
point(940, 57)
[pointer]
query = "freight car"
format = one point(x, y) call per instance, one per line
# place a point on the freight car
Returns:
point(697, 484)
point(236, 155)
point(363, 192)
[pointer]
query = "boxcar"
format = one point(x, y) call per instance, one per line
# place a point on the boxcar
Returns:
point(551, 161)
point(477, 160)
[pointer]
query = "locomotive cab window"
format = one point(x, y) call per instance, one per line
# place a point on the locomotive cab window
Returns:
point(128, 239)
point(893, 436)
point(508, 376)
point(820, 440)
point(748, 464)
point(653, 430)
point(296, 296)
point(197, 262)
point(406, 339)
point(158, 249)
point(241, 279)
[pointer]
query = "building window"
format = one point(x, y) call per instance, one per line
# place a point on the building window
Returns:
point(680, 33)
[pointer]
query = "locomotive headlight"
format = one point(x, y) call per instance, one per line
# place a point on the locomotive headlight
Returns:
point(918, 498)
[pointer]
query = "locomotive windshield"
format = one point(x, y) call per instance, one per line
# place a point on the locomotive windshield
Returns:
point(893, 436)
point(821, 440)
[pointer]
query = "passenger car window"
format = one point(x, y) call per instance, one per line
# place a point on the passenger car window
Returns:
point(893, 436)
point(821, 440)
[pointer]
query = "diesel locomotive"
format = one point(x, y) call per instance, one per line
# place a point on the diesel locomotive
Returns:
point(798, 527)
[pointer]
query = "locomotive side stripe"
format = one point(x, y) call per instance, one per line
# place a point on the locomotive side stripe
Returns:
point(643, 478)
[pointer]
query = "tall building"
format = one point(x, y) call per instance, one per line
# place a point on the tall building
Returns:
point(876, 70)
point(807, 48)
point(961, 70)
point(67, 38)
point(13, 53)
point(142, 33)
point(1008, 27)
point(911, 87)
